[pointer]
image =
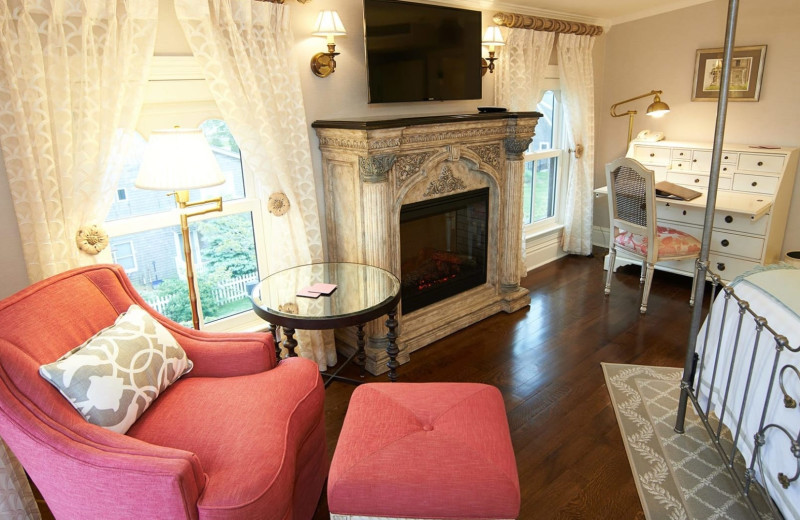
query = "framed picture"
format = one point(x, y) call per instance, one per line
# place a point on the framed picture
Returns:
point(747, 67)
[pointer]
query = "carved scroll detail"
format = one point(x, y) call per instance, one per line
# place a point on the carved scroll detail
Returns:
point(523, 21)
point(446, 183)
point(406, 166)
point(489, 153)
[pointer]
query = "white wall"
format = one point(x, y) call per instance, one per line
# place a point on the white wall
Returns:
point(659, 53)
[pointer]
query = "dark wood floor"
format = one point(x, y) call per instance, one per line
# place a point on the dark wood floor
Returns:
point(545, 359)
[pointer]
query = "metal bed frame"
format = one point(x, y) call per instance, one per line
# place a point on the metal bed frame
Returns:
point(745, 482)
point(726, 441)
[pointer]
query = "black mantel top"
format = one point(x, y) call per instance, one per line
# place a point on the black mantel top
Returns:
point(378, 122)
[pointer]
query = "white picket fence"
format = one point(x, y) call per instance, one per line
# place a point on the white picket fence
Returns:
point(232, 290)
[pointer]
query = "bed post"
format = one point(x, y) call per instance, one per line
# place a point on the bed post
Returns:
point(713, 183)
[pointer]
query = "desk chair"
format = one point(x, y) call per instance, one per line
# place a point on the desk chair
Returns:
point(632, 214)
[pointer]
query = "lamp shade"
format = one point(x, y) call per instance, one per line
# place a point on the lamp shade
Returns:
point(178, 159)
point(328, 24)
point(657, 108)
point(493, 37)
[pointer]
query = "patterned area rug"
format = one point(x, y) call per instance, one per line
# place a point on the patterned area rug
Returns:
point(678, 477)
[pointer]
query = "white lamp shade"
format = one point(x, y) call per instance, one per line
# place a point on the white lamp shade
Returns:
point(178, 159)
point(328, 24)
point(493, 36)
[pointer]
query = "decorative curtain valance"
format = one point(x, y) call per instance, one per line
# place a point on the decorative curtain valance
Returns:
point(523, 21)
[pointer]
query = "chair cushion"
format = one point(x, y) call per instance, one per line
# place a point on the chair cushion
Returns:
point(247, 432)
point(671, 242)
point(113, 377)
point(425, 450)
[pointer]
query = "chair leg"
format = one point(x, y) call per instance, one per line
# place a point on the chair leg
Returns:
point(612, 257)
point(648, 280)
point(643, 272)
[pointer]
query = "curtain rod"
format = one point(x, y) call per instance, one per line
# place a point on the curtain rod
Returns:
point(524, 21)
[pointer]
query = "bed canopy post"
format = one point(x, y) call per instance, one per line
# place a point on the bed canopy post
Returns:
point(713, 183)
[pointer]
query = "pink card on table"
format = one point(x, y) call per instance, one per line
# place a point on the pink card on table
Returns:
point(323, 288)
point(306, 292)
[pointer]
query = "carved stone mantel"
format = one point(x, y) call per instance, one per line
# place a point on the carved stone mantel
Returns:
point(372, 167)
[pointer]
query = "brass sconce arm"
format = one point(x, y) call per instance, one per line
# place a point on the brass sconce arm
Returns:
point(629, 112)
point(656, 109)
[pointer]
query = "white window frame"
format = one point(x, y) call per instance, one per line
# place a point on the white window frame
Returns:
point(177, 94)
point(135, 267)
point(554, 223)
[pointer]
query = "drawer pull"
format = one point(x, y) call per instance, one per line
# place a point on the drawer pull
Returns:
point(728, 219)
point(725, 242)
point(760, 163)
point(754, 183)
point(725, 169)
point(684, 212)
point(694, 160)
point(720, 266)
point(697, 180)
point(725, 157)
point(680, 165)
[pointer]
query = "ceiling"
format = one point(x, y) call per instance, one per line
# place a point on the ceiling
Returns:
point(601, 12)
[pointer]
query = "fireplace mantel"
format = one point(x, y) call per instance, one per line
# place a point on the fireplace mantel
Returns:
point(373, 166)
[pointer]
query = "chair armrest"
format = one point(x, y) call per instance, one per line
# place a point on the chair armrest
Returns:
point(225, 354)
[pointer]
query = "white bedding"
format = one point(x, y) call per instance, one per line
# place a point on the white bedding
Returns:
point(768, 296)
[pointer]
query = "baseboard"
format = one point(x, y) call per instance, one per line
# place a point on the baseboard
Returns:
point(600, 236)
point(543, 248)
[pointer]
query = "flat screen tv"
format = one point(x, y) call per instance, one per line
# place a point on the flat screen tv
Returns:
point(421, 52)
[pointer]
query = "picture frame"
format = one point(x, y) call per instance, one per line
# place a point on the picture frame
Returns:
point(747, 68)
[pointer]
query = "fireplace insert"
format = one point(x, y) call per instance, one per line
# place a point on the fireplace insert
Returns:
point(443, 247)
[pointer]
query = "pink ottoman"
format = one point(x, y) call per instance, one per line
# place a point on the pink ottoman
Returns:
point(424, 450)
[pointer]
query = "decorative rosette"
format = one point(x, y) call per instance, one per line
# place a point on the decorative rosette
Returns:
point(91, 239)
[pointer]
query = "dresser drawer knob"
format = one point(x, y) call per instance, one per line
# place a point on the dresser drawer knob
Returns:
point(694, 160)
point(754, 183)
point(652, 154)
point(684, 212)
point(725, 169)
point(725, 242)
point(725, 157)
point(696, 180)
point(760, 163)
point(720, 266)
point(728, 219)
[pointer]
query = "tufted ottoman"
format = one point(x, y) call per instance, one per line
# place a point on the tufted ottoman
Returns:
point(424, 450)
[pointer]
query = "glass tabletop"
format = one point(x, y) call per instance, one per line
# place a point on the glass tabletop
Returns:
point(361, 293)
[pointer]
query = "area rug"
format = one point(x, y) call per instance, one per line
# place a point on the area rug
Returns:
point(678, 476)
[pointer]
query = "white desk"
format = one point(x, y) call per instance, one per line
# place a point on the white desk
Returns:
point(752, 203)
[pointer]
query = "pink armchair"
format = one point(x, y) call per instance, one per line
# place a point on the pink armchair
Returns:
point(239, 436)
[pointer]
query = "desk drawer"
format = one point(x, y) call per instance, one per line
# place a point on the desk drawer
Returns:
point(650, 154)
point(761, 163)
point(729, 157)
point(686, 215)
point(755, 183)
point(697, 180)
point(681, 154)
point(740, 223)
point(701, 160)
point(729, 268)
point(739, 245)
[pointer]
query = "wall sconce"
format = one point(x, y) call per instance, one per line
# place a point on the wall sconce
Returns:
point(328, 24)
point(491, 38)
point(656, 109)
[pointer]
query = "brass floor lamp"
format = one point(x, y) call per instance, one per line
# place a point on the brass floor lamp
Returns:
point(179, 160)
point(656, 109)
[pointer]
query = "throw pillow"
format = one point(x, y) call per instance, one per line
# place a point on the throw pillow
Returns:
point(114, 376)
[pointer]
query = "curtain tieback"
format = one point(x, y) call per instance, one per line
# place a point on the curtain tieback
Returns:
point(578, 151)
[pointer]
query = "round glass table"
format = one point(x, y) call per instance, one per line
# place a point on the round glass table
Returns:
point(329, 296)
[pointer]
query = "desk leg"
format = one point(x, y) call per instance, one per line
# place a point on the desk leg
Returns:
point(274, 331)
point(290, 343)
point(391, 348)
point(362, 356)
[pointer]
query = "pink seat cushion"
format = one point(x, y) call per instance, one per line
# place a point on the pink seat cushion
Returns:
point(425, 450)
point(672, 242)
point(248, 447)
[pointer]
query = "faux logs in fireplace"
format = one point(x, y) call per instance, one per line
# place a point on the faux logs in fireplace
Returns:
point(443, 247)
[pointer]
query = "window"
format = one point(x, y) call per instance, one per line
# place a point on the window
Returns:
point(544, 162)
point(122, 194)
point(144, 226)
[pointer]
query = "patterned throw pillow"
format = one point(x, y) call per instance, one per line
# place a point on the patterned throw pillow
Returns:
point(116, 374)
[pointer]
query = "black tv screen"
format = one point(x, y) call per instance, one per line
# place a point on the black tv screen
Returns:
point(421, 52)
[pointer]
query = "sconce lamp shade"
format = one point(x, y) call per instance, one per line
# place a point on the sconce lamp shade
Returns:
point(657, 108)
point(178, 159)
point(493, 37)
point(328, 24)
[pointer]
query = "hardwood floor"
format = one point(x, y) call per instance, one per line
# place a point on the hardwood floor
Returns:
point(545, 359)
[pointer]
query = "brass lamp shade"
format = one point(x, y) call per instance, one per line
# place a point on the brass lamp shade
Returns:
point(657, 108)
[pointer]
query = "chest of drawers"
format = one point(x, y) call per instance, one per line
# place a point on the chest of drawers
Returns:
point(753, 197)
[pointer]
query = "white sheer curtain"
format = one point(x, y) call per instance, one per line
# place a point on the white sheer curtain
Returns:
point(244, 48)
point(577, 91)
point(72, 77)
point(520, 71)
point(520, 76)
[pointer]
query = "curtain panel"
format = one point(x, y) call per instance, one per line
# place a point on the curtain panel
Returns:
point(577, 87)
point(72, 78)
point(245, 48)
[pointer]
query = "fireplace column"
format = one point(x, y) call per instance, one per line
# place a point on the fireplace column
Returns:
point(512, 212)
